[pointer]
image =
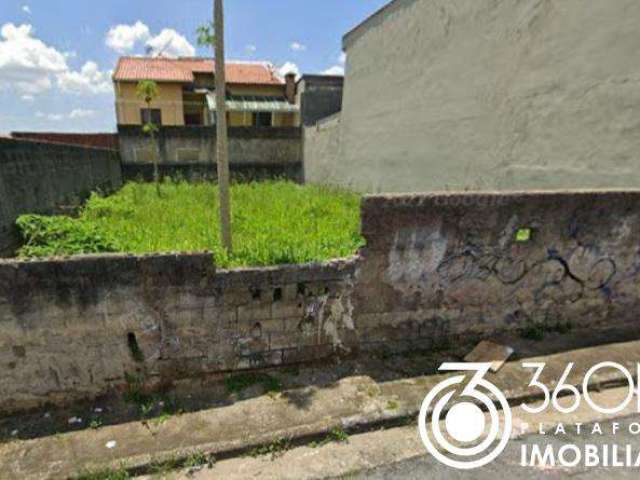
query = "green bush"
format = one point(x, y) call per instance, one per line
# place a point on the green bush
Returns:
point(273, 222)
point(61, 235)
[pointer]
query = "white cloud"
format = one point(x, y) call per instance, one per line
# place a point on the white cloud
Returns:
point(28, 98)
point(27, 63)
point(74, 114)
point(29, 66)
point(26, 9)
point(123, 38)
point(250, 49)
point(81, 113)
point(297, 47)
point(52, 117)
point(169, 43)
point(342, 58)
point(88, 81)
point(289, 67)
point(335, 70)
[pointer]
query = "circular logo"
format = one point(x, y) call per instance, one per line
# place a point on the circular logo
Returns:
point(465, 422)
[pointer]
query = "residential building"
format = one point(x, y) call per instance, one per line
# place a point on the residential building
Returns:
point(256, 95)
point(265, 139)
point(488, 95)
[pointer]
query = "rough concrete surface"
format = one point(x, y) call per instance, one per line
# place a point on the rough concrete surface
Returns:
point(77, 328)
point(381, 454)
point(311, 412)
point(42, 177)
point(492, 94)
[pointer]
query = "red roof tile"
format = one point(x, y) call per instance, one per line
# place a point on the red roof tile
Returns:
point(182, 69)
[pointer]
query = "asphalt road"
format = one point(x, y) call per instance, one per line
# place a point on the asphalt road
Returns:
point(508, 466)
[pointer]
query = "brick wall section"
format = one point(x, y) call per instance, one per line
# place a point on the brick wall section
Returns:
point(97, 140)
point(437, 267)
point(38, 177)
point(67, 325)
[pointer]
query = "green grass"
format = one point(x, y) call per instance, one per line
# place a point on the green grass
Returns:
point(273, 222)
point(108, 474)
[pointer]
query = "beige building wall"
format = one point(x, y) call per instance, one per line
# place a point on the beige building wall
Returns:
point(480, 94)
point(170, 101)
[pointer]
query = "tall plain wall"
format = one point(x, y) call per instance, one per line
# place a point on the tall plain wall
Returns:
point(321, 148)
point(38, 177)
point(254, 152)
point(435, 269)
point(508, 95)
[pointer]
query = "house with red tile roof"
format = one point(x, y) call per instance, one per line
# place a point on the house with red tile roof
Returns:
point(256, 95)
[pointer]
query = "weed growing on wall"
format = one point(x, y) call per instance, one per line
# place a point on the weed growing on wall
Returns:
point(274, 222)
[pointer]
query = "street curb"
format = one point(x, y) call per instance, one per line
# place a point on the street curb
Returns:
point(356, 404)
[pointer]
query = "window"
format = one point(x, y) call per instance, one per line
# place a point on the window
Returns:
point(151, 115)
point(193, 119)
point(262, 119)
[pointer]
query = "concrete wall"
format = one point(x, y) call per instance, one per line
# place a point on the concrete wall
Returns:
point(38, 177)
point(319, 96)
point(197, 144)
point(191, 150)
point(442, 267)
point(197, 172)
point(435, 269)
point(73, 329)
point(487, 94)
point(321, 150)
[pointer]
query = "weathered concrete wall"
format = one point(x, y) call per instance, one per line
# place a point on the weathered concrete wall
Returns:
point(37, 177)
point(445, 266)
point(319, 96)
point(194, 172)
point(73, 328)
point(321, 149)
point(493, 94)
point(435, 269)
point(250, 145)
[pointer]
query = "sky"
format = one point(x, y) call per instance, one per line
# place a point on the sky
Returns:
point(57, 56)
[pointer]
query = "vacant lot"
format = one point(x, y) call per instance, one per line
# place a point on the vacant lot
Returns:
point(273, 223)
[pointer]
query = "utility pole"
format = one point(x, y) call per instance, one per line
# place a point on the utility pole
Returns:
point(222, 142)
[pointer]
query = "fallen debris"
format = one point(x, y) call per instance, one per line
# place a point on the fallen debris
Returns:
point(490, 352)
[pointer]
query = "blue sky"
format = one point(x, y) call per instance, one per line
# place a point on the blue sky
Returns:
point(56, 56)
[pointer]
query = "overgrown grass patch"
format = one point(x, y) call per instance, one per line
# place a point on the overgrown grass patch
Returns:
point(274, 222)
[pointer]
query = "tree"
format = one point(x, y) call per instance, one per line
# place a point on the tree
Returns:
point(148, 91)
point(212, 35)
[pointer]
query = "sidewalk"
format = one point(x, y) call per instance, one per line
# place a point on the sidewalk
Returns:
point(399, 451)
point(356, 403)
